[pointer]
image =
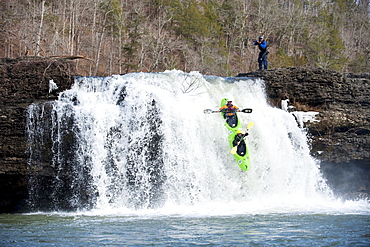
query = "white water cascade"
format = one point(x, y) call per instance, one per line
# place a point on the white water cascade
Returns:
point(142, 141)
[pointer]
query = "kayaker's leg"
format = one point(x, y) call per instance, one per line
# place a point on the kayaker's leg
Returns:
point(233, 120)
point(242, 148)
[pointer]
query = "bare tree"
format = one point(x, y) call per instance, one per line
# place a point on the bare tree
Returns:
point(214, 37)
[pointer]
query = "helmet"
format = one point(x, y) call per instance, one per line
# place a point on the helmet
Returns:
point(229, 101)
point(260, 37)
point(239, 132)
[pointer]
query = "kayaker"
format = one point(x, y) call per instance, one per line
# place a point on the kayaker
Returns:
point(239, 137)
point(229, 111)
point(239, 140)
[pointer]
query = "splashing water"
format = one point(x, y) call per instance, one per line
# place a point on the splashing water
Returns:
point(141, 141)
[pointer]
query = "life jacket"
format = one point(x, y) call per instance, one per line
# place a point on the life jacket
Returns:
point(229, 110)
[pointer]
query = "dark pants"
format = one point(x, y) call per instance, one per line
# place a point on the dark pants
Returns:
point(242, 148)
point(232, 121)
point(262, 59)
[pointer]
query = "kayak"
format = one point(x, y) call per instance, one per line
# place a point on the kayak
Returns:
point(242, 158)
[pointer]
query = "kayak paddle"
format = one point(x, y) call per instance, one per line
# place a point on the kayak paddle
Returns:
point(234, 149)
point(208, 111)
point(246, 110)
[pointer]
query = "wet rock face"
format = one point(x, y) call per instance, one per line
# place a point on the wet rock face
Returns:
point(23, 81)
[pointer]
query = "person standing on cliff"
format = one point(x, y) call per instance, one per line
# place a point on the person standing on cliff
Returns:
point(262, 56)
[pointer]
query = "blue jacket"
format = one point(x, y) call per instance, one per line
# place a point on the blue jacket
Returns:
point(261, 46)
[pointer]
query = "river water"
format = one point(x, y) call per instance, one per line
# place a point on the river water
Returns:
point(137, 162)
point(149, 229)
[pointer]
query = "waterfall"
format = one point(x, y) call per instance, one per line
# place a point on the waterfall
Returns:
point(141, 140)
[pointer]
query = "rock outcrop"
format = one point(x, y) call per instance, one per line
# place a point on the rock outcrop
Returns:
point(23, 81)
point(340, 140)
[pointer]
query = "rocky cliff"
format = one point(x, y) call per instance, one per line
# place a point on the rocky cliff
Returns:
point(340, 140)
point(23, 81)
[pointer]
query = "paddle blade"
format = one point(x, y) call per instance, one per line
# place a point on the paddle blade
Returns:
point(207, 111)
point(247, 110)
point(250, 125)
point(233, 150)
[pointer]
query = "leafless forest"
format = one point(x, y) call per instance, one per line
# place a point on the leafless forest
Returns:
point(211, 36)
